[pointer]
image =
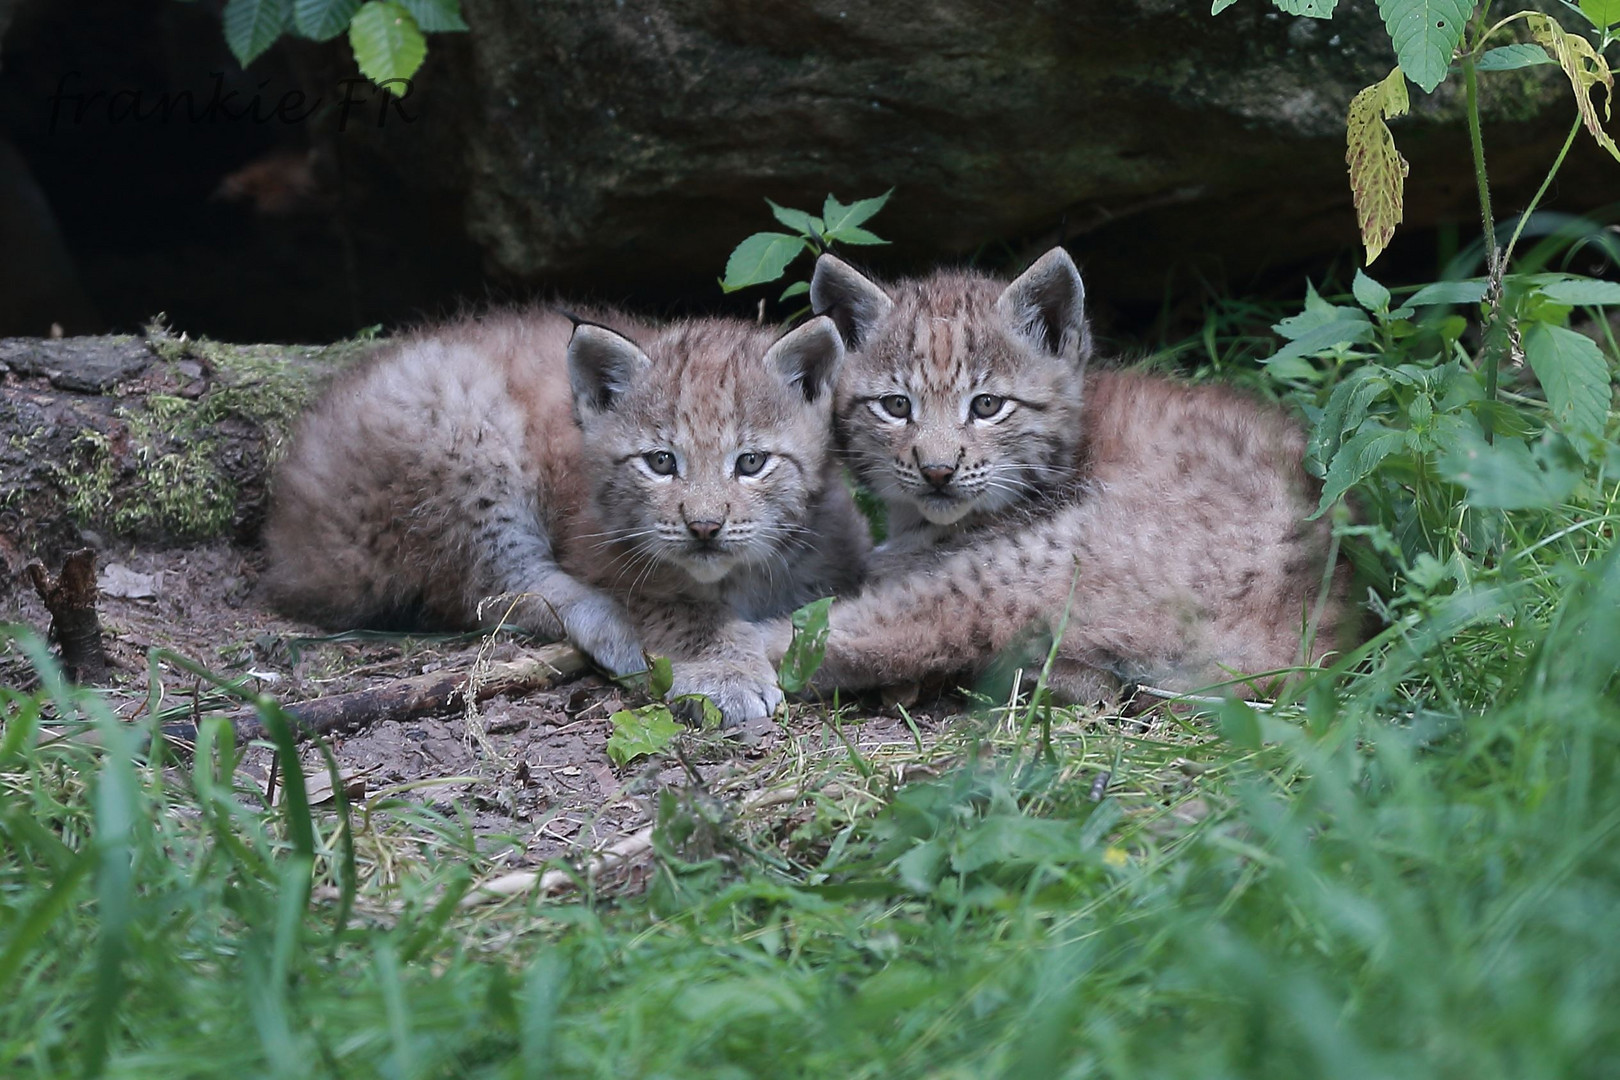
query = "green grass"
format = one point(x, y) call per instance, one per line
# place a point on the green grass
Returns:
point(1412, 870)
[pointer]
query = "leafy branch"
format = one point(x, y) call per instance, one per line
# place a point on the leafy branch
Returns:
point(765, 256)
point(387, 36)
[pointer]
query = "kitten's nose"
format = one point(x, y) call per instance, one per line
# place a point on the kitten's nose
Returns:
point(938, 475)
point(704, 530)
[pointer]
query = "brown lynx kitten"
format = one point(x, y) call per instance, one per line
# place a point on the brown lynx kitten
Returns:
point(1175, 513)
point(574, 483)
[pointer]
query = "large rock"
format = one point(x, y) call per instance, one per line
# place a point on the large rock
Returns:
point(632, 142)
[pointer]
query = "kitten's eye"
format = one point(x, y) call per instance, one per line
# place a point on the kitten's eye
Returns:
point(750, 463)
point(987, 405)
point(661, 462)
point(896, 405)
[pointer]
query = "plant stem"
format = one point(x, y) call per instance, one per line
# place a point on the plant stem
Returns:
point(1477, 141)
point(1574, 130)
point(1490, 354)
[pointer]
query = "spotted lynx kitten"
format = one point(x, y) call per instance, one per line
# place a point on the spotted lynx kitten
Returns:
point(1175, 513)
point(650, 497)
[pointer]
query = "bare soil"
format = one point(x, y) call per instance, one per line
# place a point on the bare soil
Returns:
point(529, 775)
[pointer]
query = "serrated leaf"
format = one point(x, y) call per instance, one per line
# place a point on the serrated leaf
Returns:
point(760, 258)
point(1377, 170)
point(387, 42)
point(435, 16)
point(1220, 5)
point(660, 676)
point(323, 19)
point(1586, 69)
point(1357, 458)
point(1582, 292)
point(809, 645)
point(1506, 476)
point(839, 217)
point(1448, 292)
point(1345, 410)
point(252, 26)
point(797, 219)
point(1318, 313)
point(1425, 33)
point(853, 235)
point(1601, 12)
point(640, 732)
point(1573, 375)
point(1325, 338)
point(1316, 9)
point(798, 288)
point(1369, 294)
point(1513, 57)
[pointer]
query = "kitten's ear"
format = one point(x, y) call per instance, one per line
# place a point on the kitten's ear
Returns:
point(853, 303)
point(602, 365)
point(809, 357)
point(1046, 306)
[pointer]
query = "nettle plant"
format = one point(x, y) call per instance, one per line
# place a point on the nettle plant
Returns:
point(1431, 417)
point(387, 36)
point(765, 256)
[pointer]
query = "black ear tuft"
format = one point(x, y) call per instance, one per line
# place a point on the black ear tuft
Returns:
point(855, 305)
point(1046, 306)
point(602, 365)
point(809, 357)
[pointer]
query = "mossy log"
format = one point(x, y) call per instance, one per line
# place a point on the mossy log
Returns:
point(143, 438)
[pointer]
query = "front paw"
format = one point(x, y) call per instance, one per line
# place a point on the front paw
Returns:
point(741, 694)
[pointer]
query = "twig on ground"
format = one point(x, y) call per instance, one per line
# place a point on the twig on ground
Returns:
point(403, 699)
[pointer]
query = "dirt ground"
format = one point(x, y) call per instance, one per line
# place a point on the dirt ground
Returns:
point(529, 774)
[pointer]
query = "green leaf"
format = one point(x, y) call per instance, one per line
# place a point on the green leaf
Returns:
point(1357, 458)
point(323, 19)
point(435, 16)
point(252, 26)
point(1318, 313)
point(1582, 292)
point(1425, 33)
point(1573, 374)
point(1316, 9)
point(1602, 12)
point(660, 676)
point(809, 645)
point(1346, 408)
point(853, 235)
point(1448, 292)
point(839, 217)
point(640, 732)
point(1513, 57)
point(797, 219)
point(1505, 476)
point(1326, 338)
point(798, 288)
point(1377, 170)
point(1220, 5)
point(386, 41)
point(1369, 294)
point(760, 258)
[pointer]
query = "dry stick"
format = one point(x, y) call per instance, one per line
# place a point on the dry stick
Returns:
point(71, 600)
point(403, 699)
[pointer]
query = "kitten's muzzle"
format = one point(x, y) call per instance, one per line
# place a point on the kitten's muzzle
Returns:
point(704, 532)
point(937, 475)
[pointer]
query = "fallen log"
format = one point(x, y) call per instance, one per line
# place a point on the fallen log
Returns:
point(154, 438)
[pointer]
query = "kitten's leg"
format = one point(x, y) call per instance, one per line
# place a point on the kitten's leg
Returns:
point(524, 585)
point(715, 654)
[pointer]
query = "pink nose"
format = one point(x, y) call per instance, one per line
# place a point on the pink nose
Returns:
point(938, 475)
point(704, 530)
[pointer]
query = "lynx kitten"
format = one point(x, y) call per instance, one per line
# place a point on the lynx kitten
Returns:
point(574, 483)
point(1166, 521)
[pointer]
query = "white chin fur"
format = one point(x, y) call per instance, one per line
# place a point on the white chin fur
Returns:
point(707, 571)
point(945, 513)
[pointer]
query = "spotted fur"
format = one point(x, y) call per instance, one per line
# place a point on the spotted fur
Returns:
point(507, 469)
point(1157, 528)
